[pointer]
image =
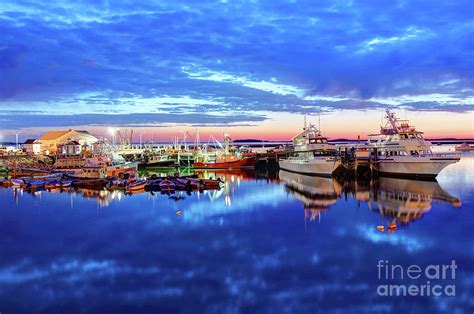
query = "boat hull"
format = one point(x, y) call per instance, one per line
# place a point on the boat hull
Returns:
point(229, 164)
point(320, 166)
point(422, 167)
point(158, 164)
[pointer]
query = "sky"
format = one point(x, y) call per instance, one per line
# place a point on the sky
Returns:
point(257, 67)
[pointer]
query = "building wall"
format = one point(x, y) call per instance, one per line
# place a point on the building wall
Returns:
point(33, 148)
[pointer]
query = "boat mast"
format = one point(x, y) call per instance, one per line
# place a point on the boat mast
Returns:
point(304, 126)
point(392, 120)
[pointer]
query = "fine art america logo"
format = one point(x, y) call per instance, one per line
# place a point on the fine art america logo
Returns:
point(416, 280)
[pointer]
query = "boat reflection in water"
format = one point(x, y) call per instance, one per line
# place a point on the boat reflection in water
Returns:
point(232, 180)
point(399, 201)
point(316, 193)
point(403, 201)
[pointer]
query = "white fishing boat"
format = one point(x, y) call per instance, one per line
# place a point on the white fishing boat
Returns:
point(312, 154)
point(400, 150)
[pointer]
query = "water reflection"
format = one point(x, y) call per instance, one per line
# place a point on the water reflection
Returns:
point(316, 193)
point(401, 201)
point(397, 201)
point(407, 200)
point(258, 236)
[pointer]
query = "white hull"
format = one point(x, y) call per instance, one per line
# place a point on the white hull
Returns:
point(321, 166)
point(415, 166)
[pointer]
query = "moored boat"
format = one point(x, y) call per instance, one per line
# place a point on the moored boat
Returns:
point(227, 162)
point(57, 184)
point(227, 158)
point(18, 183)
point(35, 184)
point(89, 183)
point(312, 154)
point(136, 186)
point(464, 147)
point(400, 150)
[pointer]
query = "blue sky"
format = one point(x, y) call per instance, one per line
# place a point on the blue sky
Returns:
point(205, 63)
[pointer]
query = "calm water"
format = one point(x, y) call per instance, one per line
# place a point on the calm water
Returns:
point(293, 244)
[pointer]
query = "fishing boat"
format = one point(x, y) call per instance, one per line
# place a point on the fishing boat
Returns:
point(312, 154)
point(225, 159)
point(227, 162)
point(464, 147)
point(400, 150)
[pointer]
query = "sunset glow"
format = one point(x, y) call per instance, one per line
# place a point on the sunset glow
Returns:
point(259, 69)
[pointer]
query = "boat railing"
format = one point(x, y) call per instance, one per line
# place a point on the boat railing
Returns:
point(443, 155)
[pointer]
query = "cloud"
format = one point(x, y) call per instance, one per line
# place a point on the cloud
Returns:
point(245, 55)
point(132, 120)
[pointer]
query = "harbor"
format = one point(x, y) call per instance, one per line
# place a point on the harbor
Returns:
point(398, 150)
point(236, 157)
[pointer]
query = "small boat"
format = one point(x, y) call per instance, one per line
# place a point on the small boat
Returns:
point(153, 185)
point(35, 184)
point(17, 182)
point(51, 184)
point(118, 184)
point(89, 183)
point(57, 184)
point(167, 185)
point(65, 183)
point(136, 186)
point(179, 184)
point(464, 147)
point(189, 183)
point(211, 183)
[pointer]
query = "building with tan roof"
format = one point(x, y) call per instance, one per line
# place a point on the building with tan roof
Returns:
point(51, 140)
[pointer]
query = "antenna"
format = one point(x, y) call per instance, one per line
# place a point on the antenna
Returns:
point(304, 126)
point(319, 120)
